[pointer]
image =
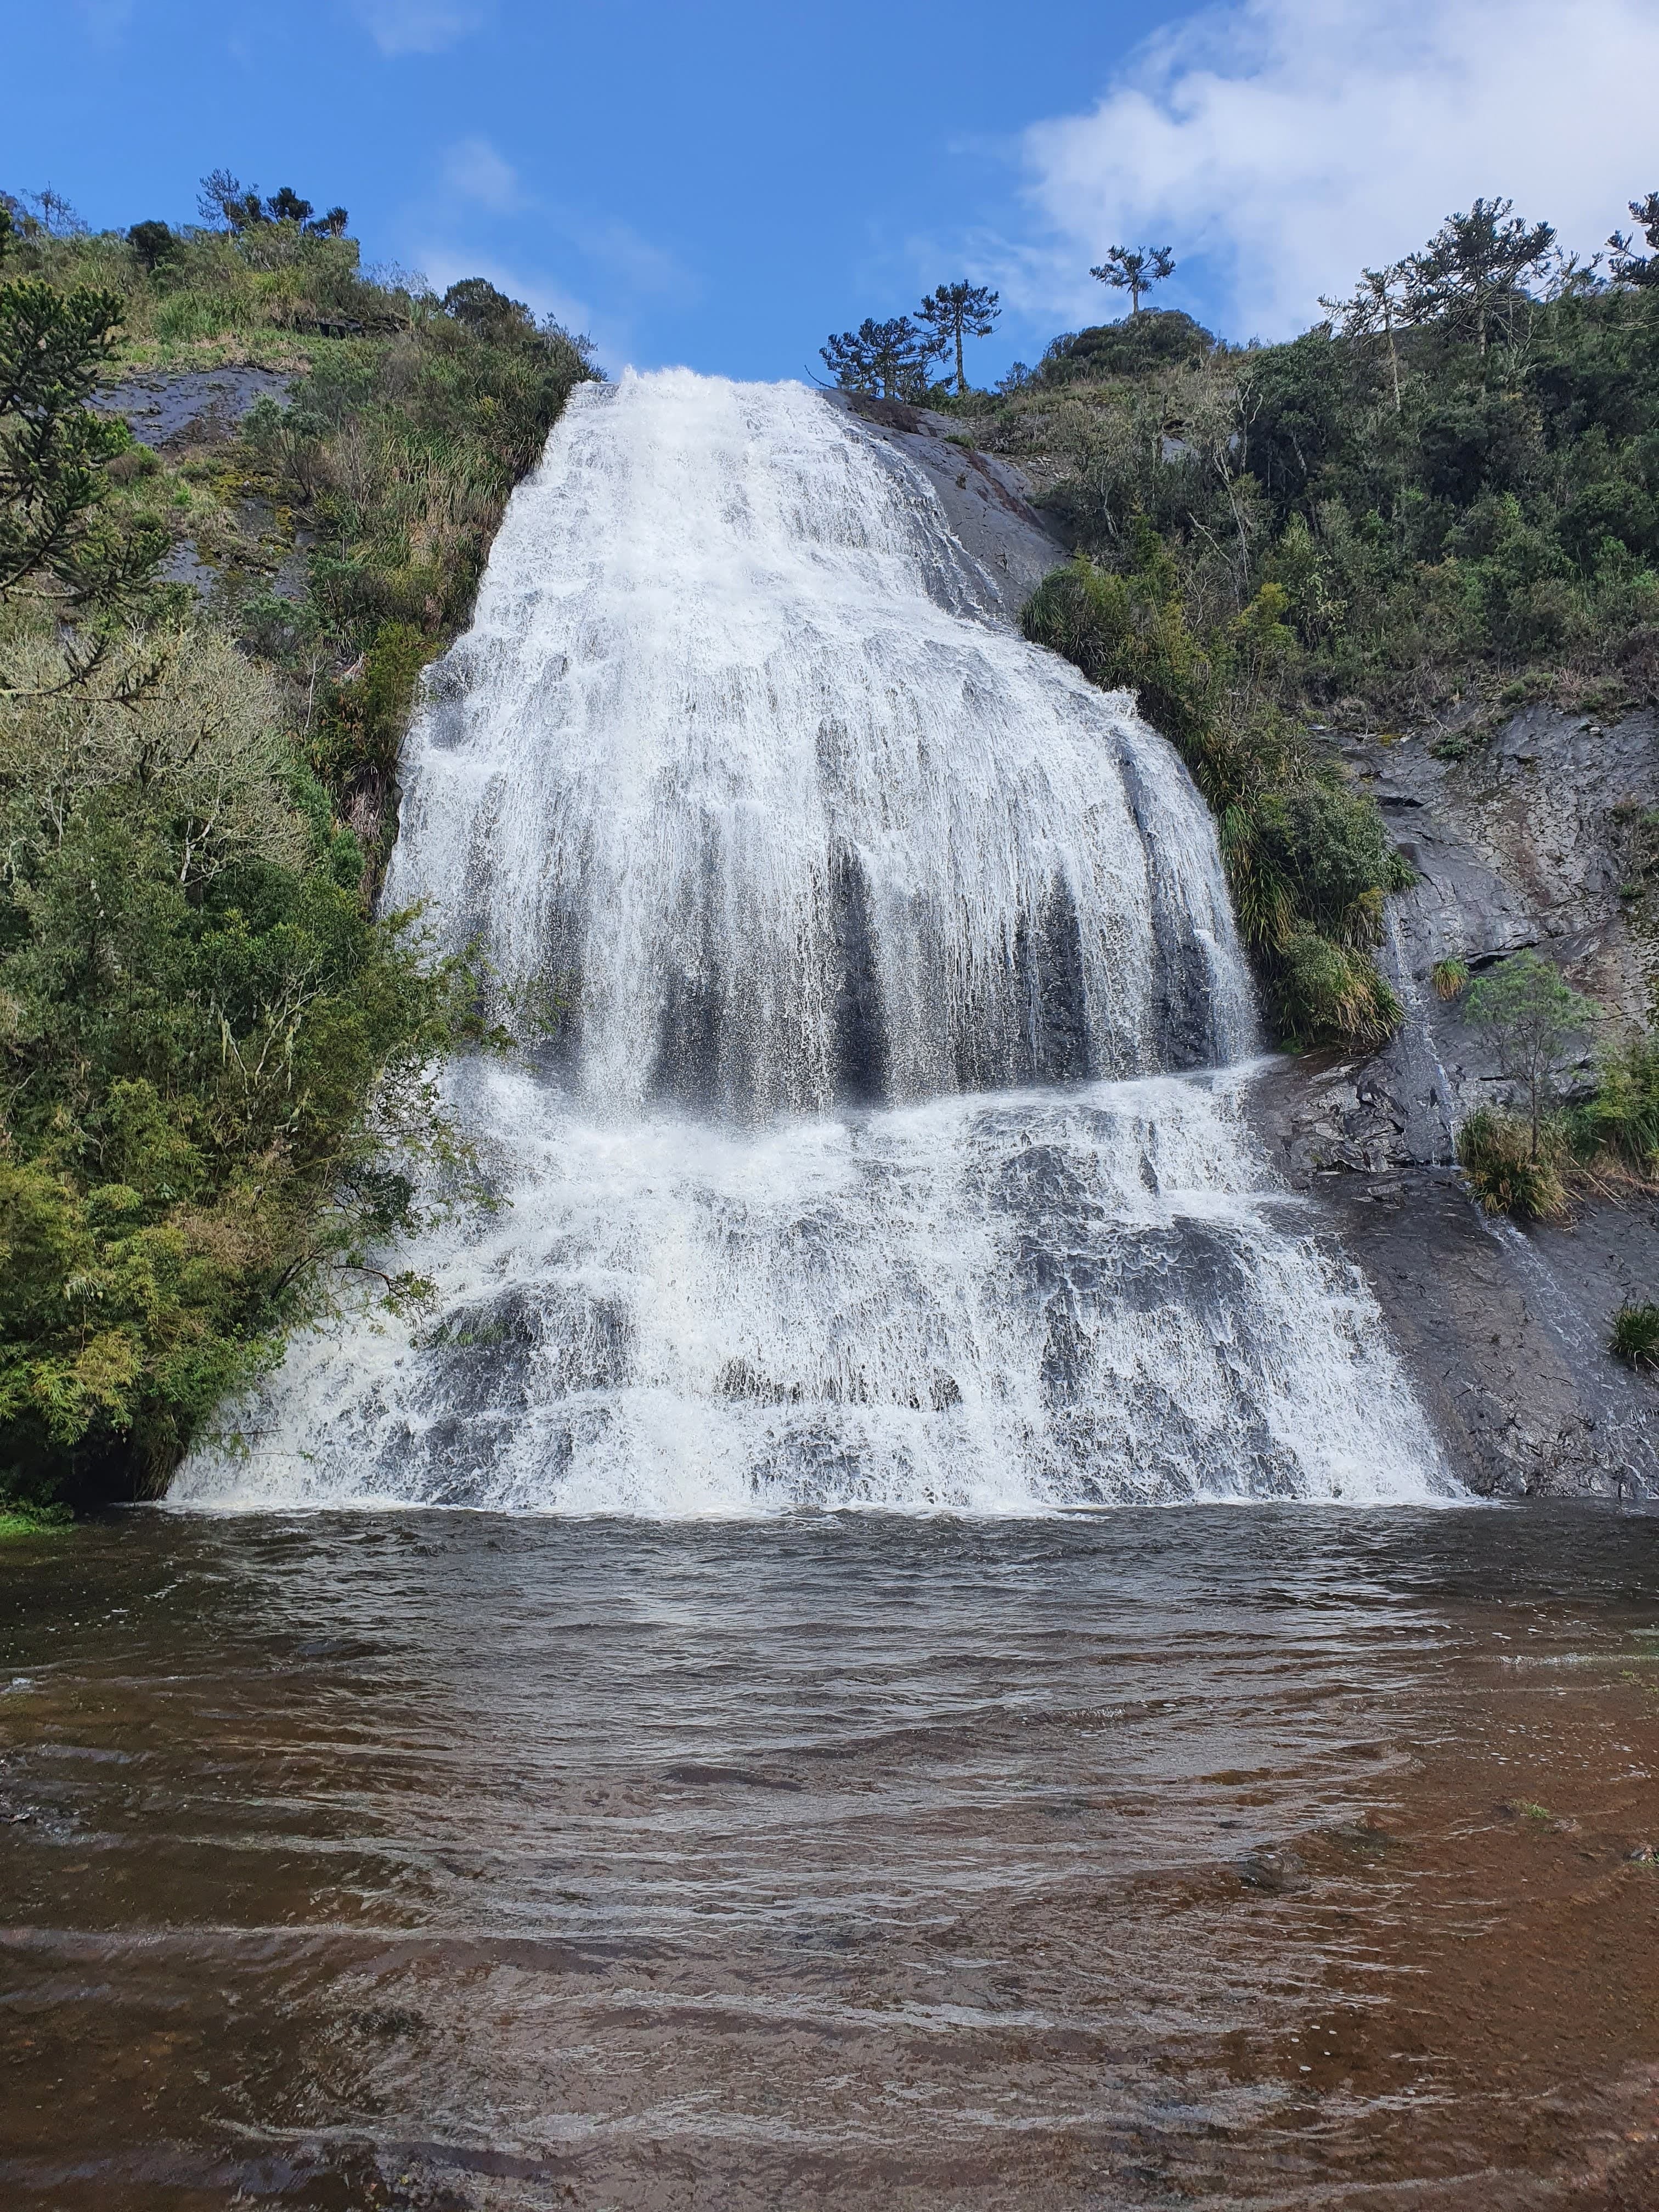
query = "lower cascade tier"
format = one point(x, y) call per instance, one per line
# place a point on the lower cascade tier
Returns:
point(1006, 1302)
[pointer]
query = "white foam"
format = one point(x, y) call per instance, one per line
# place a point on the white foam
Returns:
point(732, 755)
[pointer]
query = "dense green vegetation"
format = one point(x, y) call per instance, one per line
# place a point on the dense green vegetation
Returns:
point(1308, 861)
point(1604, 1137)
point(216, 1064)
point(1602, 1141)
point(1439, 504)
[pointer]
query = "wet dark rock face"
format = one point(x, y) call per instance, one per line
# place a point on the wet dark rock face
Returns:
point(1533, 838)
point(985, 499)
point(191, 406)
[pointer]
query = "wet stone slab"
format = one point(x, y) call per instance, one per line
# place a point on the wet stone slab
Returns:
point(200, 405)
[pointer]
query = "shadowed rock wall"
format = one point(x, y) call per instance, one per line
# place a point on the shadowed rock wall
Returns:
point(1537, 836)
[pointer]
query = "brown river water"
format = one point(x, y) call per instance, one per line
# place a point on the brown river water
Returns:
point(1267, 1856)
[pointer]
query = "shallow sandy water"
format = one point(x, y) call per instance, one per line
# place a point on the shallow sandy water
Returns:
point(1267, 1857)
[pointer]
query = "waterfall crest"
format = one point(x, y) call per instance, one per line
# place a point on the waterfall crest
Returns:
point(727, 762)
point(860, 1168)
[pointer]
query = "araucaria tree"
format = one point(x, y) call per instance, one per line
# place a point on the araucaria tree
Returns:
point(1628, 266)
point(1379, 303)
point(57, 545)
point(1135, 270)
point(225, 199)
point(955, 312)
point(1477, 270)
point(890, 359)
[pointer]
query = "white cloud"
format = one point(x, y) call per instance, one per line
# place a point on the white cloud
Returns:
point(419, 27)
point(1289, 142)
point(623, 254)
point(473, 170)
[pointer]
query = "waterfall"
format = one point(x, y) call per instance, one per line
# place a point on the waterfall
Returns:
point(887, 1146)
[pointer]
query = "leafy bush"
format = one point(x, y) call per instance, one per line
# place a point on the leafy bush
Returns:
point(1598, 1144)
point(1129, 632)
point(1619, 1120)
point(1535, 1018)
point(361, 736)
point(198, 1011)
point(1324, 989)
point(219, 1066)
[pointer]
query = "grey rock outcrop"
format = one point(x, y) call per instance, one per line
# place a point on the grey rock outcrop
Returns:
point(191, 406)
point(985, 499)
point(1537, 835)
point(184, 413)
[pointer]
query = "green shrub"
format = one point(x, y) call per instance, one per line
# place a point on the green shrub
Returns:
point(1333, 847)
point(1495, 1152)
point(1323, 989)
point(198, 1011)
point(1535, 1017)
point(1129, 633)
point(1634, 1337)
point(1309, 860)
point(1620, 1118)
point(362, 734)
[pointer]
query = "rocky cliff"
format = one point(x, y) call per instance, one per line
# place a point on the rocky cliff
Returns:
point(1539, 833)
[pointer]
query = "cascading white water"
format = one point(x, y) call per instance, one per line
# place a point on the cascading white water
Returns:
point(858, 1170)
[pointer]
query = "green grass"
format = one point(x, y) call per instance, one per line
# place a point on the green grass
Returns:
point(1449, 977)
point(18, 1521)
point(1634, 1337)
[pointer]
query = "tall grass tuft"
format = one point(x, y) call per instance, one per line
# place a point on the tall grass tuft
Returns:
point(1495, 1152)
point(1635, 1336)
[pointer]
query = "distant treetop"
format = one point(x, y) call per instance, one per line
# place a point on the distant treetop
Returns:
point(1135, 270)
point(225, 202)
point(889, 359)
point(475, 302)
point(954, 312)
point(1629, 267)
point(892, 358)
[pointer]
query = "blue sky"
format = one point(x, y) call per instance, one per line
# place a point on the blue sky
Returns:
point(721, 184)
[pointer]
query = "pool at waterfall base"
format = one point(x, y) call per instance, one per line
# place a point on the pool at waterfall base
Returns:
point(1277, 1854)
